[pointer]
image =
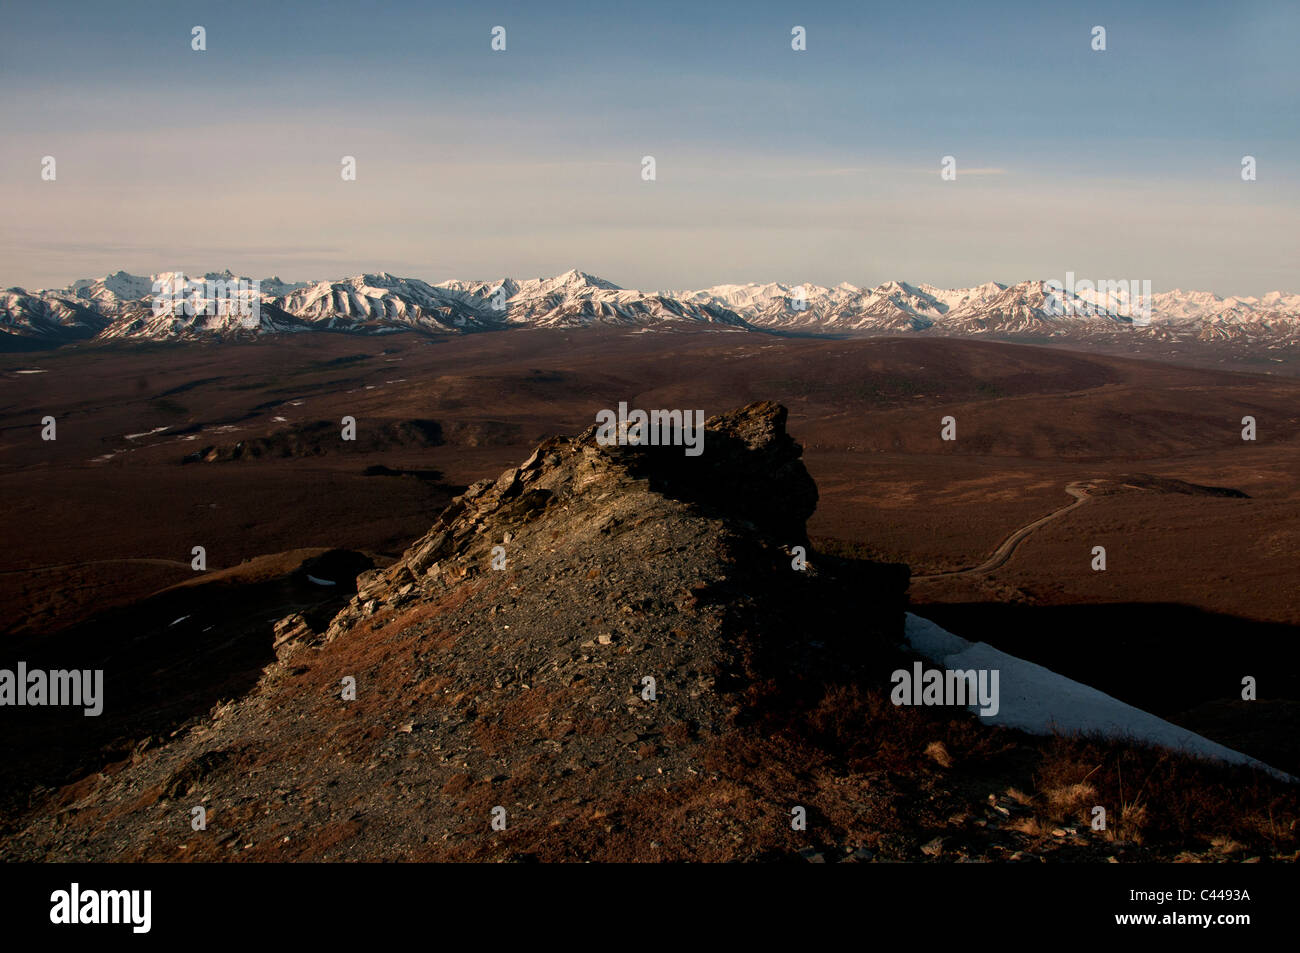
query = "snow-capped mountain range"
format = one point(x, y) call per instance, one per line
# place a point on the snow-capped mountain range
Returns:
point(122, 306)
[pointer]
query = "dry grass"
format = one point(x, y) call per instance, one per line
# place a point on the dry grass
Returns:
point(937, 752)
point(1155, 798)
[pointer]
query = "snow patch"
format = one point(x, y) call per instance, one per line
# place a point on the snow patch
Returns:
point(1041, 702)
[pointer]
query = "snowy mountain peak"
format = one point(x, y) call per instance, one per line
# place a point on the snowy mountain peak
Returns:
point(895, 287)
point(573, 278)
point(120, 305)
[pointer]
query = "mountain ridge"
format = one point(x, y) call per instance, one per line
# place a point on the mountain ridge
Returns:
point(121, 306)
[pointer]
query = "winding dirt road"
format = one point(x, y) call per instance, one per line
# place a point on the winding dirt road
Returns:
point(1078, 490)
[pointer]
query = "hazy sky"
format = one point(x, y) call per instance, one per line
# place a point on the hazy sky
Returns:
point(772, 165)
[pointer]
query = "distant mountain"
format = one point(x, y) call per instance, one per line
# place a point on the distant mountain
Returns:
point(142, 323)
point(37, 317)
point(891, 307)
point(381, 303)
point(1026, 308)
point(122, 307)
point(577, 299)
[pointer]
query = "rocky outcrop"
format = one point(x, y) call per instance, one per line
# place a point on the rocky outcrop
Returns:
point(750, 479)
point(612, 654)
point(602, 638)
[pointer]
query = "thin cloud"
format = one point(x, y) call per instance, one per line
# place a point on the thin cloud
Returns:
point(961, 171)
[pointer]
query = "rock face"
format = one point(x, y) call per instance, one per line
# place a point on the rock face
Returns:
point(607, 653)
point(587, 641)
point(583, 499)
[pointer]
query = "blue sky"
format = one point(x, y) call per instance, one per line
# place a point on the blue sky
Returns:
point(817, 166)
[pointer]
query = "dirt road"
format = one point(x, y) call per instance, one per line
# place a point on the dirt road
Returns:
point(1078, 490)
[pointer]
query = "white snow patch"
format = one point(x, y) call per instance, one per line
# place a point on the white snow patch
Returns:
point(1041, 702)
point(147, 433)
point(29, 372)
point(320, 582)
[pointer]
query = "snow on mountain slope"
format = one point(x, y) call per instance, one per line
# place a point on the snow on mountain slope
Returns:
point(1041, 702)
point(577, 299)
point(41, 317)
point(892, 306)
point(1025, 307)
point(482, 294)
point(955, 298)
point(122, 293)
point(111, 292)
point(121, 306)
point(899, 306)
point(177, 325)
point(273, 287)
point(379, 301)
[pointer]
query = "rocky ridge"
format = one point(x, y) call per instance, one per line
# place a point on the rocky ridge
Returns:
point(608, 652)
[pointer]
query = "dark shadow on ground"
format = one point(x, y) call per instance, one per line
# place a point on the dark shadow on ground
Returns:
point(1181, 663)
point(166, 662)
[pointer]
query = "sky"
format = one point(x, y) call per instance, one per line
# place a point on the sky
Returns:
point(771, 164)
